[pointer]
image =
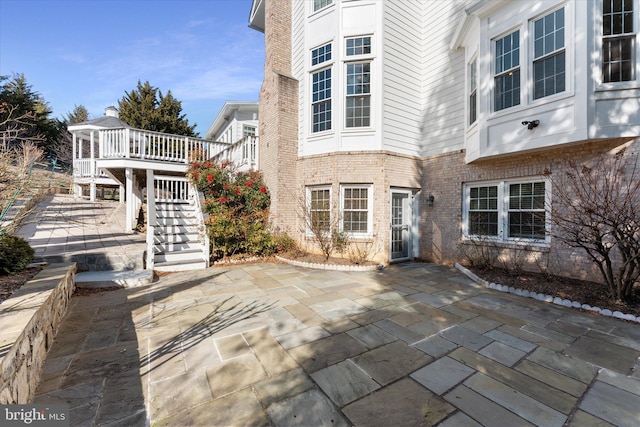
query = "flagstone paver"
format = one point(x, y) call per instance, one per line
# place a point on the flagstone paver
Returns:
point(442, 375)
point(268, 344)
point(344, 382)
point(271, 344)
point(403, 403)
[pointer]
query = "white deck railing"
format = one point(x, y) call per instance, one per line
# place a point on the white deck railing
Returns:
point(86, 168)
point(243, 154)
point(147, 145)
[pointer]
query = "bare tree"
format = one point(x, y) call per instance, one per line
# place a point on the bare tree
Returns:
point(323, 227)
point(597, 209)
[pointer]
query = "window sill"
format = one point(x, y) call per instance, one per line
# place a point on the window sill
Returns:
point(534, 245)
point(545, 101)
point(609, 87)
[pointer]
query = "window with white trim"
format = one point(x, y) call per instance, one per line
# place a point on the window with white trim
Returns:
point(507, 210)
point(249, 146)
point(358, 95)
point(321, 4)
point(549, 55)
point(356, 209)
point(618, 41)
point(358, 82)
point(473, 91)
point(321, 89)
point(358, 46)
point(248, 130)
point(507, 71)
point(319, 208)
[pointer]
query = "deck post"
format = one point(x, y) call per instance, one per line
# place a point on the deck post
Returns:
point(151, 217)
point(130, 199)
point(92, 166)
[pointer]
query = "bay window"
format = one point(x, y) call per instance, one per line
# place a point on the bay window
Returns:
point(618, 41)
point(549, 55)
point(507, 71)
point(321, 89)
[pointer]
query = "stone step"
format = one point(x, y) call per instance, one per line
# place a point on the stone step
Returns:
point(104, 279)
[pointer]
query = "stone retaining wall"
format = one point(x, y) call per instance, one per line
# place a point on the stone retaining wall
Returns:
point(29, 321)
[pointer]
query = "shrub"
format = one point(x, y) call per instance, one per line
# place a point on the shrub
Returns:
point(237, 204)
point(598, 211)
point(15, 254)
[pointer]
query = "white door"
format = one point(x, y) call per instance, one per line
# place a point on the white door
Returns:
point(401, 220)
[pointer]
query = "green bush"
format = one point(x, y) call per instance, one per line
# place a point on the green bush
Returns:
point(15, 254)
point(237, 204)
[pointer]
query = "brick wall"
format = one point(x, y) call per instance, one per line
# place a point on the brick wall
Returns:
point(278, 112)
point(381, 169)
point(444, 176)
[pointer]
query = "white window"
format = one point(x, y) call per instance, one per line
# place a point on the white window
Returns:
point(549, 55)
point(321, 4)
point(358, 94)
point(321, 89)
point(356, 209)
point(473, 91)
point(319, 208)
point(248, 130)
point(358, 46)
point(507, 210)
point(507, 71)
point(618, 41)
point(358, 83)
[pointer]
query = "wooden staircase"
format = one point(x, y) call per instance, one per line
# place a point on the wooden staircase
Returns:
point(177, 237)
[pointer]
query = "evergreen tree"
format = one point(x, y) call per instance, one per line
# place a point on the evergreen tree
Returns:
point(25, 115)
point(78, 115)
point(147, 108)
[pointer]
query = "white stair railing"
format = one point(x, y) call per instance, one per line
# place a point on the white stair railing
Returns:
point(172, 189)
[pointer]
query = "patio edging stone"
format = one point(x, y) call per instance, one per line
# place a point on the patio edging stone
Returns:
point(546, 298)
point(333, 267)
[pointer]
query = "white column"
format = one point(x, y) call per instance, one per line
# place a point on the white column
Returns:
point(151, 218)
point(131, 203)
point(121, 195)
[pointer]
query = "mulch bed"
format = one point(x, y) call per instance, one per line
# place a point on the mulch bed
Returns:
point(9, 283)
point(583, 291)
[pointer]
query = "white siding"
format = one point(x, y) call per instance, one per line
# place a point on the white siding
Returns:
point(402, 76)
point(443, 116)
point(297, 61)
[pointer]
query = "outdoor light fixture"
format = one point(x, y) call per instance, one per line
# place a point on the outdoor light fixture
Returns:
point(530, 124)
point(430, 200)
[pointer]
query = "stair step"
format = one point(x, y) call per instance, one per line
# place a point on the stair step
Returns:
point(195, 264)
point(181, 255)
point(176, 221)
point(176, 237)
point(165, 247)
point(176, 229)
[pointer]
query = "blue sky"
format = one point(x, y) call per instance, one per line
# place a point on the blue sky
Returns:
point(89, 52)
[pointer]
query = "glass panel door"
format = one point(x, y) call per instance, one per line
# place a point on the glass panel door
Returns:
point(400, 225)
